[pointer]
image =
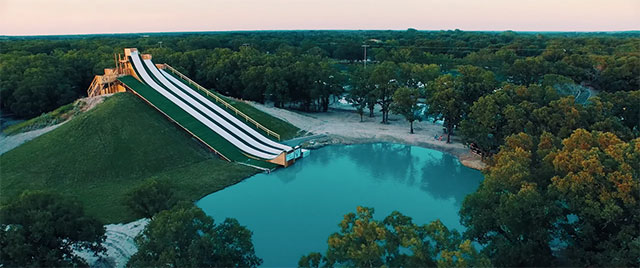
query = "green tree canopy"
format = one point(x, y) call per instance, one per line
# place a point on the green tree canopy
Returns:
point(185, 237)
point(405, 103)
point(150, 198)
point(394, 242)
point(41, 229)
point(361, 90)
point(544, 202)
point(446, 102)
point(385, 80)
point(536, 109)
point(475, 82)
point(597, 187)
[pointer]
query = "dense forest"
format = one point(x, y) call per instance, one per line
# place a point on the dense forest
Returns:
point(555, 115)
point(302, 68)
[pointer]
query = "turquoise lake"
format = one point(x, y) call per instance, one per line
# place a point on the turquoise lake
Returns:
point(293, 210)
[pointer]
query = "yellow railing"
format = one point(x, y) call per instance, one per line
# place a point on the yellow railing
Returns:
point(223, 102)
point(93, 87)
point(98, 82)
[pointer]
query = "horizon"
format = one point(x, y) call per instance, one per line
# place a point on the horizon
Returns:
point(76, 17)
point(318, 30)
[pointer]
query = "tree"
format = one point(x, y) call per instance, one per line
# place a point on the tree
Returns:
point(150, 198)
point(405, 103)
point(556, 80)
point(483, 124)
point(233, 63)
point(445, 102)
point(528, 70)
point(361, 91)
point(358, 99)
point(625, 106)
point(185, 237)
point(384, 77)
point(418, 75)
point(277, 87)
point(561, 117)
point(580, 195)
point(475, 82)
point(328, 82)
point(509, 213)
point(597, 182)
point(450, 97)
point(395, 242)
point(620, 73)
point(41, 229)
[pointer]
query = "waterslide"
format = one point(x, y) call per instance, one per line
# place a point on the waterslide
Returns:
point(182, 100)
point(231, 118)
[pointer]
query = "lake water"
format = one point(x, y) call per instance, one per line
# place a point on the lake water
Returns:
point(292, 211)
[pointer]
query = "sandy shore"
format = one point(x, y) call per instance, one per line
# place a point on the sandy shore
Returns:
point(342, 126)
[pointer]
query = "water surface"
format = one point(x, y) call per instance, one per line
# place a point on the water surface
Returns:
point(292, 211)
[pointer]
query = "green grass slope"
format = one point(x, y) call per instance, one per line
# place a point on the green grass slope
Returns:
point(56, 116)
point(190, 123)
point(100, 155)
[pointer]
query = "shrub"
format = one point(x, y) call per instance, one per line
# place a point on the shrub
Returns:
point(151, 197)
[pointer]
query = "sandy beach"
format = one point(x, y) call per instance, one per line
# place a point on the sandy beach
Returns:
point(342, 126)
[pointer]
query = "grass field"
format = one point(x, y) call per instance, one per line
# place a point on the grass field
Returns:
point(100, 155)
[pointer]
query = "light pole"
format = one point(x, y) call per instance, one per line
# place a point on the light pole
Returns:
point(365, 55)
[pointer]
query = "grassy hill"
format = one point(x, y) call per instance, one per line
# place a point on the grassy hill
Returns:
point(101, 154)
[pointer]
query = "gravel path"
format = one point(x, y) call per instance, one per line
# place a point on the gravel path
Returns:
point(344, 126)
point(9, 142)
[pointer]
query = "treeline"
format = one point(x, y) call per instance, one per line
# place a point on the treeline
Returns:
point(536, 109)
point(300, 68)
point(547, 201)
point(301, 80)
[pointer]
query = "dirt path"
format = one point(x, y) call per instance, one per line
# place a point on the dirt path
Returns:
point(7, 143)
point(344, 126)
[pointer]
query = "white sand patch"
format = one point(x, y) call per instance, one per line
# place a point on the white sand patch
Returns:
point(120, 245)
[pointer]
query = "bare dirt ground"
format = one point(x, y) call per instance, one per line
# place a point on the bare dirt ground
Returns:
point(119, 243)
point(344, 126)
point(90, 102)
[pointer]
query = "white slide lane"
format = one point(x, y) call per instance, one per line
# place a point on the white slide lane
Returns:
point(230, 128)
point(135, 57)
point(224, 113)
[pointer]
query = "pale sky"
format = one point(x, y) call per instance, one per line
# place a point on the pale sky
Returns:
point(35, 17)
